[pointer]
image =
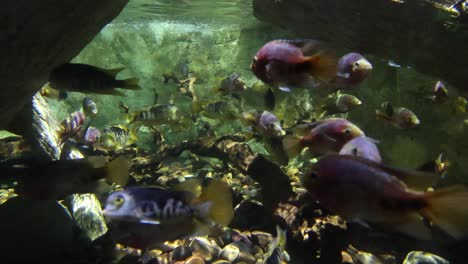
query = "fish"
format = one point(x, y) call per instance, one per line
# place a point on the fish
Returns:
point(361, 190)
point(399, 117)
point(265, 124)
point(363, 147)
point(232, 85)
point(86, 78)
point(326, 135)
point(438, 166)
point(57, 179)
point(221, 110)
point(284, 64)
point(117, 137)
point(88, 135)
point(439, 93)
point(160, 114)
point(48, 92)
point(70, 126)
point(277, 249)
point(89, 107)
point(144, 217)
point(340, 103)
point(352, 69)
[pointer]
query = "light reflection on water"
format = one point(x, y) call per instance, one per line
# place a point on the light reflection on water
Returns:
point(191, 11)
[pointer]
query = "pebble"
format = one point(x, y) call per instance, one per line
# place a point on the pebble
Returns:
point(229, 252)
point(195, 260)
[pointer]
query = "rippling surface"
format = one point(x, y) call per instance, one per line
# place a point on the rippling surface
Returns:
point(193, 11)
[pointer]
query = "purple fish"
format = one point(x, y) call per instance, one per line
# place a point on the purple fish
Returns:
point(90, 135)
point(269, 125)
point(363, 147)
point(352, 70)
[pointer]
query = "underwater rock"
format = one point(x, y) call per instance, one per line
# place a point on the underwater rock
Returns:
point(419, 257)
point(87, 214)
point(44, 129)
point(229, 252)
point(38, 36)
point(386, 28)
point(34, 231)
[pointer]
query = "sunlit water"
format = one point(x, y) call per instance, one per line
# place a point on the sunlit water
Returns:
point(190, 11)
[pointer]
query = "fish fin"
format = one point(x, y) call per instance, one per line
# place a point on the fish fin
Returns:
point(219, 194)
point(248, 119)
point(149, 221)
point(303, 129)
point(381, 115)
point(131, 84)
point(448, 209)
point(388, 108)
point(192, 185)
point(117, 171)
point(292, 145)
point(113, 72)
point(323, 65)
point(270, 100)
point(133, 135)
point(373, 140)
point(343, 75)
point(414, 226)
point(115, 92)
point(419, 180)
point(281, 238)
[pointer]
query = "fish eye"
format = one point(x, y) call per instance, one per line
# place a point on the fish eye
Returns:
point(356, 64)
point(118, 201)
point(347, 132)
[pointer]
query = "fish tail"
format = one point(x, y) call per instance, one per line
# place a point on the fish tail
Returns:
point(381, 115)
point(117, 171)
point(447, 209)
point(217, 198)
point(323, 65)
point(270, 100)
point(292, 145)
point(131, 84)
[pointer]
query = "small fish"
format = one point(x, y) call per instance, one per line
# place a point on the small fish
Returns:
point(57, 179)
point(294, 63)
point(438, 166)
point(88, 135)
point(277, 249)
point(327, 135)
point(265, 124)
point(144, 217)
point(117, 137)
point(353, 68)
point(71, 125)
point(399, 117)
point(124, 108)
point(362, 190)
point(363, 147)
point(221, 110)
point(341, 103)
point(439, 93)
point(89, 107)
point(160, 114)
point(48, 92)
point(89, 79)
point(232, 85)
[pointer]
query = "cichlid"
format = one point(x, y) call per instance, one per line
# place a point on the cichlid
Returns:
point(363, 147)
point(144, 217)
point(233, 85)
point(221, 110)
point(117, 137)
point(160, 114)
point(89, 107)
point(89, 79)
point(341, 103)
point(294, 63)
point(327, 135)
point(57, 179)
point(353, 68)
point(399, 117)
point(265, 124)
point(359, 189)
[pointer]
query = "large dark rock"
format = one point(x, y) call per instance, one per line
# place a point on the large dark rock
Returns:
point(36, 36)
point(413, 33)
